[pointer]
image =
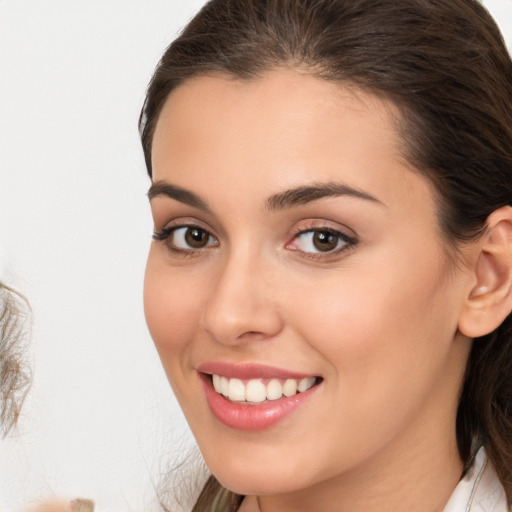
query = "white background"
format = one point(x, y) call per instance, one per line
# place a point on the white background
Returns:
point(100, 421)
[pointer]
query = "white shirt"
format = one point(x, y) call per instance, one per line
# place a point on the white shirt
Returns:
point(480, 490)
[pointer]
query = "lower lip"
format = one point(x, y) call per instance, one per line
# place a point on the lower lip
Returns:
point(252, 417)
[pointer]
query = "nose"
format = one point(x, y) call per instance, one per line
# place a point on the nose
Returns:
point(242, 305)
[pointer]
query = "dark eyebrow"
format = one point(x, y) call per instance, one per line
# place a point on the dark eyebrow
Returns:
point(306, 194)
point(162, 188)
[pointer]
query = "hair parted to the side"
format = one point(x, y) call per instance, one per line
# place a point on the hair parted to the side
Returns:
point(14, 373)
point(445, 65)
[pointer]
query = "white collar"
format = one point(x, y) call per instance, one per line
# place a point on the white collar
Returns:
point(480, 490)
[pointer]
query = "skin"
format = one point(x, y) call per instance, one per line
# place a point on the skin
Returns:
point(376, 320)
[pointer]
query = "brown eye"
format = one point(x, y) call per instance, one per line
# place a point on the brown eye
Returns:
point(325, 241)
point(321, 241)
point(196, 238)
point(186, 238)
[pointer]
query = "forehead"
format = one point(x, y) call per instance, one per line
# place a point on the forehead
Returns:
point(281, 106)
point(279, 130)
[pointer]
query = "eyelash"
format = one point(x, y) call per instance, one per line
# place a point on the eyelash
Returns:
point(166, 233)
point(165, 236)
point(347, 241)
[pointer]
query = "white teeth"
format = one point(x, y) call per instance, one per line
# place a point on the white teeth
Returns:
point(216, 383)
point(290, 387)
point(236, 390)
point(305, 384)
point(274, 390)
point(224, 386)
point(255, 391)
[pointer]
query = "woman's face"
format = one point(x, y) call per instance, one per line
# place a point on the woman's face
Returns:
point(295, 248)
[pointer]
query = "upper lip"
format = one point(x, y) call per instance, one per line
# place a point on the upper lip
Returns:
point(249, 371)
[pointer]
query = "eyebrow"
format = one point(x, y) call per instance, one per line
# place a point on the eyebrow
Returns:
point(163, 188)
point(306, 194)
point(283, 200)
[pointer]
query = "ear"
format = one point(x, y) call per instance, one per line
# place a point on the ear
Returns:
point(490, 299)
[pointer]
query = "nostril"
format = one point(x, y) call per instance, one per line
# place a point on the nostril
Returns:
point(251, 334)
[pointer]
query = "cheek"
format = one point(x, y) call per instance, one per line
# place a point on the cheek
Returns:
point(386, 341)
point(381, 327)
point(171, 307)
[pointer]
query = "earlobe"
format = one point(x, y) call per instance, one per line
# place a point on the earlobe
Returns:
point(490, 299)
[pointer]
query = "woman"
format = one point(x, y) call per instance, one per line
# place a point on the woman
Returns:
point(329, 286)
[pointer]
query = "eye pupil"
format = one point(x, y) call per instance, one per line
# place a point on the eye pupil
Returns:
point(325, 241)
point(196, 237)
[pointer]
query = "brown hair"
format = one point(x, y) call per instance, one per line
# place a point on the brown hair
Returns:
point(14, 375)
point(445, 65)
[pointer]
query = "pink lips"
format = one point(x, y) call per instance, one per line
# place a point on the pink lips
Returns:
point(250, 417)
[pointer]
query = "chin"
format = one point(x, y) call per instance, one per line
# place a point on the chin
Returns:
point(255, 485)
point(246, 477)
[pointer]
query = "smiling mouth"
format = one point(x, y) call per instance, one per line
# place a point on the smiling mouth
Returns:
point(259, 391)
